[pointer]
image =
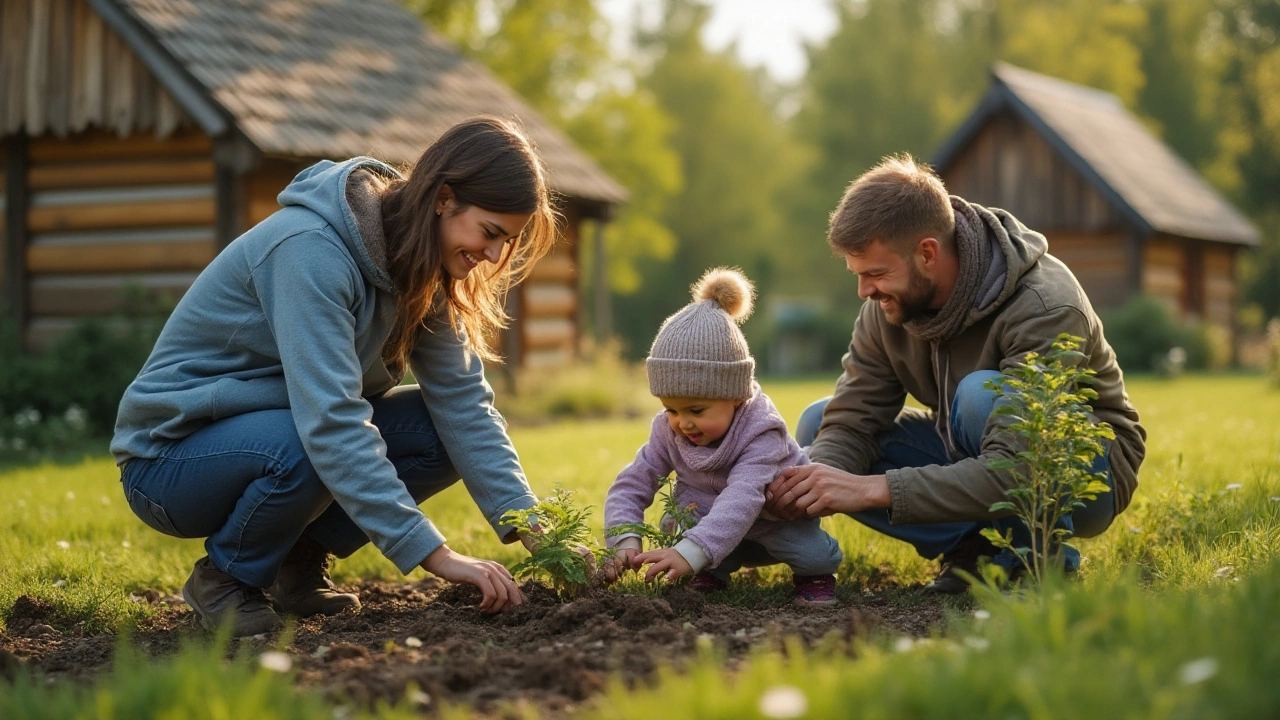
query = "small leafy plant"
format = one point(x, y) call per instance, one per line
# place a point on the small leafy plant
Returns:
point(676, 519)
point(563, 550)
point(1048, 409)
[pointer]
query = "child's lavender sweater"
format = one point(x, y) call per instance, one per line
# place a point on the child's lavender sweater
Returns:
point(727, 482)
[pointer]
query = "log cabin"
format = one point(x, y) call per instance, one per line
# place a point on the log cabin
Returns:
point(142, 136)
point(1118, 205)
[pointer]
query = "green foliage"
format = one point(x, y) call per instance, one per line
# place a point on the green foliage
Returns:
point(1143, 332)
point(564, 551)
point(1273, 351)
point(1043, 403)
point(600, 384)
point(72, 390)
point(676, 519)
point(1115, 651)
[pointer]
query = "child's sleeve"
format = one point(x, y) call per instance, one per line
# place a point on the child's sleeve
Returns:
point(736, 509)
point(635, 487)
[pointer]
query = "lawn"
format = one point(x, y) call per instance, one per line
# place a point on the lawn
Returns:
point(1189, 573)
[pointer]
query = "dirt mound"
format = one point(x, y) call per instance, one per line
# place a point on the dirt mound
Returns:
point(427, 641)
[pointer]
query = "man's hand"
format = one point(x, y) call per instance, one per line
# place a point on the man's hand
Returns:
point(817, 490)
point(665, 560)
point(494, 580)
point(623, 559)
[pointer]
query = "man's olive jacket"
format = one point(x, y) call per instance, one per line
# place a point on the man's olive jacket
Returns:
point(1040, 299)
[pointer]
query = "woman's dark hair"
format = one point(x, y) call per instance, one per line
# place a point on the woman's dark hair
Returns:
point(488, 163)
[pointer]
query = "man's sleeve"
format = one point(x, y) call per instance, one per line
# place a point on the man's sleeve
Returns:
point(867, 399)
point(965, 490)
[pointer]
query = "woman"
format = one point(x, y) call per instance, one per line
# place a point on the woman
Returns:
point(268, 418)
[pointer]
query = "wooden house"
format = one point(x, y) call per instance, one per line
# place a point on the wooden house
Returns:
point(1119, 207)
point(141, 136)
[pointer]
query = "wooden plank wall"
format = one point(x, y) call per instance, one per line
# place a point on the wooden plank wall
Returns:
point(1099, 261)
point(1009, 165)
point(106, 212)
point(1220, 284)
point(63, 71)
point(548, 321)
point(1164, 266)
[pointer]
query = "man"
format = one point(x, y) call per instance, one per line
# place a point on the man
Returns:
point(955, 293)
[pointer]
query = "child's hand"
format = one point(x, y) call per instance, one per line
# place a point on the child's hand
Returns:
point(622, 560)
point(664, 560)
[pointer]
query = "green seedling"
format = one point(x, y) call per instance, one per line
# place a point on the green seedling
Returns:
point(676, 519)
point(1045, 404)
point(563, 551)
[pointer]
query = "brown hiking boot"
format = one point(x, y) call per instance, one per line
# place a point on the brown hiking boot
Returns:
point(215, 595)
point(303, 587)
point(964, 556)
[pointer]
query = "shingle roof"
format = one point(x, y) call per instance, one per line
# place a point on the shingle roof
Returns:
point(1132, 167)
point(337, 78)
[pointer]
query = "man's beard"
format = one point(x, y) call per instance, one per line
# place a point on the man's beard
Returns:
point(913, 304)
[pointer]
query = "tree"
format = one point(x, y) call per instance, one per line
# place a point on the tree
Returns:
point(736, 159)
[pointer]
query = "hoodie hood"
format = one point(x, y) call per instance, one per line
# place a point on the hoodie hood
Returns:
point(1013, 245)
point(346, 195)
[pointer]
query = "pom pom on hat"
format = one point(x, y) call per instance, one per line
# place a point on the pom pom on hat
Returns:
point(730, 289)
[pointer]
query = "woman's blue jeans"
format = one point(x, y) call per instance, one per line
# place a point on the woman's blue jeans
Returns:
point(246, 485)
point(913, 441)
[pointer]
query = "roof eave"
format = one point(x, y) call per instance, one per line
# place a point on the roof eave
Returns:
point(185, 89)
point(1075, 160)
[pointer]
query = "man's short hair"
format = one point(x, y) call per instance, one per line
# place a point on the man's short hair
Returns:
point(898, 202)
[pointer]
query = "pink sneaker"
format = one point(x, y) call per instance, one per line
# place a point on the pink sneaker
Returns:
point(815, 590)
point(707, 583)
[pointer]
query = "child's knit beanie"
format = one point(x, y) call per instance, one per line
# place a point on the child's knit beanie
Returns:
point(699, 351)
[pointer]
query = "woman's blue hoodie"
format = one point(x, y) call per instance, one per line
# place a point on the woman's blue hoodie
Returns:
point(294, 314)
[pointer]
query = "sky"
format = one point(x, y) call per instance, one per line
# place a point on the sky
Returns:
point(771, 33)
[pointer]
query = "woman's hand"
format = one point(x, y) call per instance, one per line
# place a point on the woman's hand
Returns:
point(493, 580)
point(624, 559)
point(664, 560)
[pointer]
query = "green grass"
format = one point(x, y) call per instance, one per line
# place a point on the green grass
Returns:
point(1189, 571)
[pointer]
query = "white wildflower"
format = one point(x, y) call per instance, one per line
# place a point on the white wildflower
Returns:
point(417, 697)
point(64, 544)
point(1197, 671)
point(783, 701)
point(1275, 498)
point(276, 661)
point(125, 544)
point(1234, 486)
point(982, 614)
point(76, 417)
point(1222, 572)
point(412, 642)
point(903, 644)
point(59, 582)
point(977, 643)
point(71, 495)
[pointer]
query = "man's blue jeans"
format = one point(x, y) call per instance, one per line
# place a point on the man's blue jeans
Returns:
point(913, 441)
point(246, 485)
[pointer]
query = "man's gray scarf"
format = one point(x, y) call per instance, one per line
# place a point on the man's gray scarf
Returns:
point(982, 274)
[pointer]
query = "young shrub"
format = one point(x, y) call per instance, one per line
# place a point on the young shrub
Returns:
point(564, 551)
point(1048, 409)
point(676, 520)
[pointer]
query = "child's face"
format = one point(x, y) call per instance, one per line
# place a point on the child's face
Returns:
point(702, 421)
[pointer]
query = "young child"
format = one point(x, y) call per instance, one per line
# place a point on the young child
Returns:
point(726, 442)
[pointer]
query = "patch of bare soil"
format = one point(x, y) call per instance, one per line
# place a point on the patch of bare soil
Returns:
point(546, 653)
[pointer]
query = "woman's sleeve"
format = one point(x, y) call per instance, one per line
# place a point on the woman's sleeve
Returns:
point(474, 434)
point(307, 286)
